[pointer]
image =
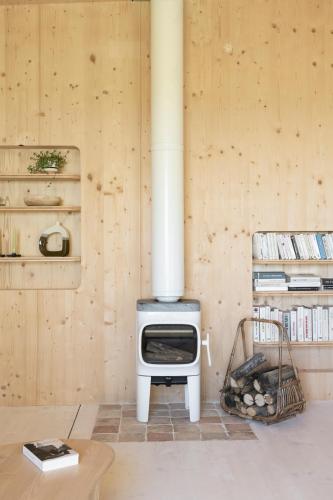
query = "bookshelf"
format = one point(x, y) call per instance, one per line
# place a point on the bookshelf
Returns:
point(34, 271)
point(293, 300)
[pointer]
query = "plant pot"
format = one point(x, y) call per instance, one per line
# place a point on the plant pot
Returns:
point(51, 170)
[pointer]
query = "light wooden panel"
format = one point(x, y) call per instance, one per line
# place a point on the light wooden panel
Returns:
point(258, 120)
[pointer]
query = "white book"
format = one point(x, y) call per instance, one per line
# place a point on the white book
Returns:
point(275, 246)
point(300, 324)
point(325, 324)
point(275, 330)
point(256, 246)
point(319, 323)
point(299, 246)
point(326, 246)
point(256, 326)
point(304, 247)
point(315, 246)
point(281, 246)
point(50, 454)
point(262, 315)
point(293, 325)
point(291, 251)
point(330, 323)
point(330, 243)
point(314, 324)
point(286, 322)
point(308, 244)
point(273, 288)
point(307, 324)
point(268, 326)
point(264, 249)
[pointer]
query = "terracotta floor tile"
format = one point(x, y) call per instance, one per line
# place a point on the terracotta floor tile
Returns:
point(210, 420)
point(125, 437)
point(159, 420)
point(242, 436)
point(186, 427)
point(129, 420)
point(179, 413)
point(108, 438)
point(129, 407)
point(128, 413)
point(177, 406)
point(187, 436)
point(133, 428)
point(209, 413)
point(238, 427)
point(232, 419)
point(159, 436)
point(159, 406)
point(101, 429)
point(108, 421)
point(208, 406)
point(159, 413)
point(180, 420)
point(211, 428)
point(207, 436)
point(160, 428)
point(108, 414)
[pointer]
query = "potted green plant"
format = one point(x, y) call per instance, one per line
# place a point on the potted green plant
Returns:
point(47, 161)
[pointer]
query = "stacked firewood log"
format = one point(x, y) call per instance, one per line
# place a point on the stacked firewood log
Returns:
point(254, 385)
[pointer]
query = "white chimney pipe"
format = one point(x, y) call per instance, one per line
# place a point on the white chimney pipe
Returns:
point(167, 149)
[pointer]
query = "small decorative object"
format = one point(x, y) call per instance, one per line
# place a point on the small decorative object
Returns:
point(2, 202)
point(47, 161)
point(57, 228)
point(14, 244)
point(35, 200)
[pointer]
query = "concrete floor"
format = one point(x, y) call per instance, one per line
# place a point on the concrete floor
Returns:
point(291, 461)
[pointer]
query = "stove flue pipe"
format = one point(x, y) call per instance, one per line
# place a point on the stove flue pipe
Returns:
point(167, 149)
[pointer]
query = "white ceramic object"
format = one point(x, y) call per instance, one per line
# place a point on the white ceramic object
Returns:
point(42, 200)
point(51, 170)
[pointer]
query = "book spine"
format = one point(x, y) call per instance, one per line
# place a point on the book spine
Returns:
point(330, 323)
point(262, 315)
point(321, 246)
point(293, 325)
point(325, 324)
point(268, 326)
point(319, 323)
point(314, 324)
point(300, 324)
point(293, 241)
point(256, 326)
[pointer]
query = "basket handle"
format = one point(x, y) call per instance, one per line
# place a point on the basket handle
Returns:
point(282, 336)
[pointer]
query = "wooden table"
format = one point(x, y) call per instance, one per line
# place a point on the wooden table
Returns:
point(22, 480)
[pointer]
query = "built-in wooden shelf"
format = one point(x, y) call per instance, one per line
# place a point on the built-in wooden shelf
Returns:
point(294, 262)
point(295, 344)
point(39, 177)
point(37, 260)
point(294, 294)
point(58, 208)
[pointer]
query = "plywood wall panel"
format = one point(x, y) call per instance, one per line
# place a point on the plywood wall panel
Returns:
point(258, 154)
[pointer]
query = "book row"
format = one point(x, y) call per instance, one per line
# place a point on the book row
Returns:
point(288, 246)
point(264, 281)
point(303, 324)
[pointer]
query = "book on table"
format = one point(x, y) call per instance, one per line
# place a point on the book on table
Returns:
point(50, 454)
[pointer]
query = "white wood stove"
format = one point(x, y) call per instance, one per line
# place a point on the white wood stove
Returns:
point(168, 329)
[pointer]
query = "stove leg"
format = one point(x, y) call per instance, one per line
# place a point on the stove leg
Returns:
point(186, 397)
point(142, 398)
point(193, 384)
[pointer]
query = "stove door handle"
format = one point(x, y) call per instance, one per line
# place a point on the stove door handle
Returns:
point(206, 344)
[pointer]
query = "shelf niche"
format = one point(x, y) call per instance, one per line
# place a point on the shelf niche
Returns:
point(34, 271)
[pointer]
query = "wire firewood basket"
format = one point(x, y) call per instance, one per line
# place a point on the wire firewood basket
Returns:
point(288, 394)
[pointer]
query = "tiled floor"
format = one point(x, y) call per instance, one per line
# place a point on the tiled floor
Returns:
point(168, 422)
